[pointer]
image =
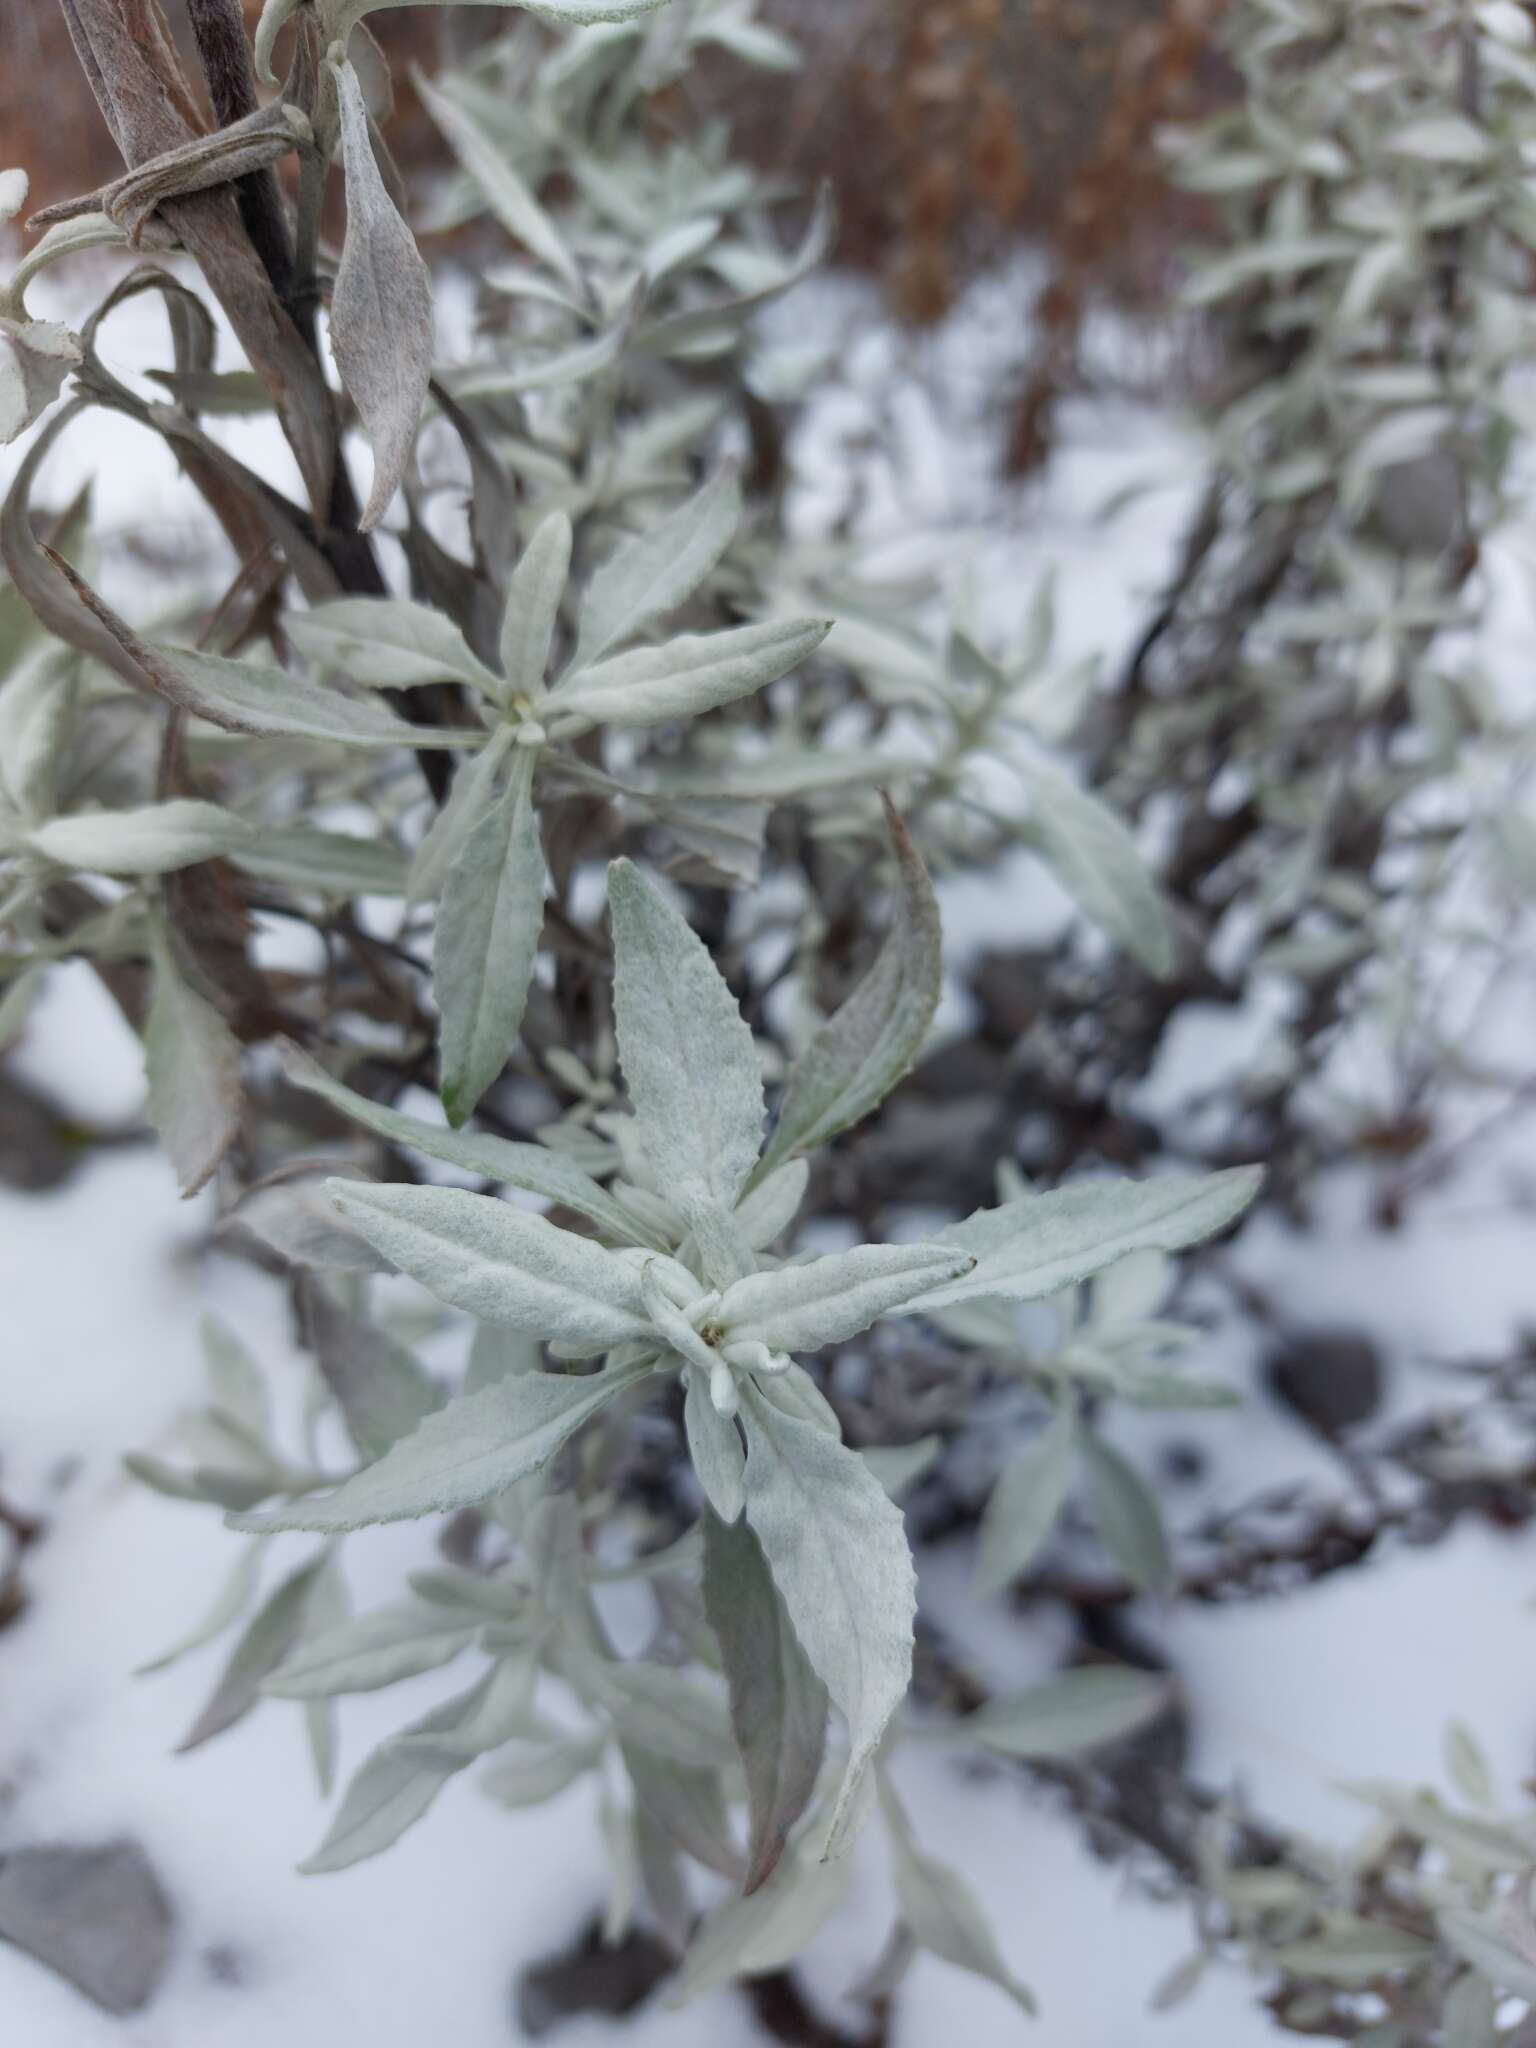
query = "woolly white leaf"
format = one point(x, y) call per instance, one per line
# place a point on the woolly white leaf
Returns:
point(690, 1064)
point(192, 1064)
point(488, 929)
point(381, 309)
point(475, 1447)
point(1097, 862)
point(1076, 1710)
point(658, 571)
point(682, 677)
point(827, 1300)
point(152, 840)
point(1024, 1504)
point(533, 607)
point(372, 1651)
point(499, 1263)
point(778, 1704)
point(940, 1909)
point(837, 1549)
point(861, 1052)
point(388, 643)
point(1039, 1244)
point(529, 1167)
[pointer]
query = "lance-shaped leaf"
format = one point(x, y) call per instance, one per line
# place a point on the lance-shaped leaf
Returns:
point(661, 569)
point(475, 1447)
point(372, 1651)
point(1096, 861)
point(381, 308)
point(397, 1784)
point(37, 709)
point(828, 1300)
point(381, 1390)
point(1075, 1711)
point(861, 1052)
point(1126, 1512)
point(472, 795)
point(487, 937)
point(533, 607)
point(686, 1803)
point(234, 1596)
point(689, 1061)
point(192, 1065)
point(673, 1711)
point(837, 1549)
point(939, 1907)
point(152, 840)
point(1039, 1244)
point(1024, 1504)
point(714, 1445)
point(541, 1772)
point(499, 1263)
point(504, 191)
point(329, 863)
point(778, 1704)
point(749, 1936)
point(388, 643)
point(529, 1167)
point(270, 1636)
point(682, 677)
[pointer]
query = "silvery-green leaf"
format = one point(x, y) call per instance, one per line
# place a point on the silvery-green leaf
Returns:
point(1470, 2013)
point(297, 1219)
point(329, 863)
point(486, 1597)
point(529, 1167)
point(499, 1263)
point(263, 1646)
point(678, 333)
point(242, 696)
point(672, 1711)
point(396, 1785)
point(499, 1354)
point(533, 607)
point(381, 1390)
point(1074, 1711)
point(475, 1447)
point(153, 840)
point(488, 927)
point(768, 1209)
point(542, 1772)
point(234, 1596)
point(766, 1928)
point(1479, 1940)
point(192, 1066)
point(796, 1394)
point(663, 1875)
point(388, 643)
point(327, 1607)
point(861, 1052)
point(505, 192)
point(778, 1704)
point(473, 793)
point(1467, 1765)
point(235, 1380)
point(659, 570)
point(837, 1549)
point(1096, 861)
point(574, 365)
point(37, 706)
point(35, 358)
point(690, 1064)
point(213, 1485)
point(381, 308)
point(714, 1445)
point(686, 1803)
point(1039, 1244)
point(1021, 1512)
point(828, 1300)
point(1354, 1951)
point(939, 1907)
point(1127, 1515)
point(683, 677)
point(372, 1651)
point(898, 1466)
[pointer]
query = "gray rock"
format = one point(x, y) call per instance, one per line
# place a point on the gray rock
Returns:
point(96, 1916)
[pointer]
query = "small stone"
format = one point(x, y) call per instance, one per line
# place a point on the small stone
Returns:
point(1331, 1378)
point(95, 1916)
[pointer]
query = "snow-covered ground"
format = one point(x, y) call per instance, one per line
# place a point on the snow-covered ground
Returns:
point(102, 1284)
